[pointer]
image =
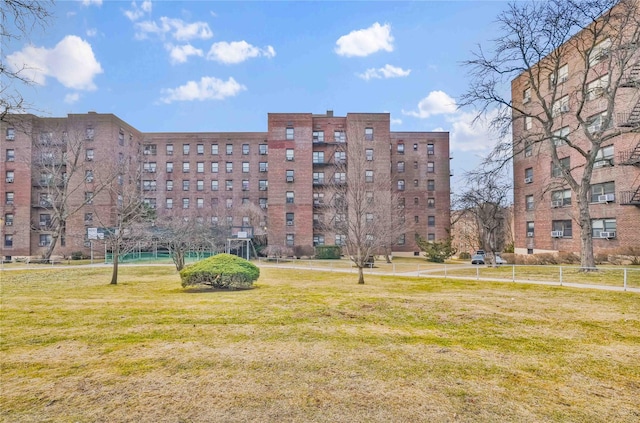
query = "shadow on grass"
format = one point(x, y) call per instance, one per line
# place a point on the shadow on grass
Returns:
point(208, 289)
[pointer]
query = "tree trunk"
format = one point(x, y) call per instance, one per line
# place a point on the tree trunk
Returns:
point(587, 261)
point(115, 255)
point(360, 275)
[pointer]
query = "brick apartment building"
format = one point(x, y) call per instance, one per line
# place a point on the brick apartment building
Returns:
point(545, 208)
point(282, 173)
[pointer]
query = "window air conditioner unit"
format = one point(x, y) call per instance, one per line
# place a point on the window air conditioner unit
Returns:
point(9, 223)
point(557, 234)
point(89, 159)
point(528, 180)
point(601, 163)
point(608, 235)
point(606, 198)
point(556, 203)
point(529, 234)
point(289, 222)
point(42, 244)
point(564, 78)
point(289, 159)
point(9, 180)
point(289, 178)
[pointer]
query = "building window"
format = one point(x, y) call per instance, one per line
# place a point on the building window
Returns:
point(603, 228)
point(214, 167)
point(229, 167)
point(368, 195)
point(431, 167)
point(560, 136)
point(185, 149)
point(263, 166)
point(229, 149)
point(528, 149)
point(88, 198)
point(185, 167)
point(401, 202)
point(401, 185)
point(263, 185)
point(368, 175)
point(169, 167)
point(185, 185)
point(169, 185)
point(368, 134)
point(185, 203)
point(318, 240)
point(44, 240)
point(228, 186)
point(561, 198)
point(169, 203)
point(431, 237)
point(88, 175)
point(603, 193)
point(90, 133)
point(199, 203)
point(340, 177)
point(562, 76)
point(430, 149)
point(245, 167)
point(149, 150)
point(598, 123)
point(289, 134)
point(318, 157)
point(600, 52)
point(402, 239)
point(8, 219)
point(415, 183)
point(290, 240)
point(529, 202)
point(431, 185)
point(368, 218)
point(11, 134)
point(318, 136)
point(214, 185)
point(89, 154)
point(263, 149)
point(528, 175)
point(369, 154)
point(11, 155)
point(560, 106)
point(229, 220)
point(431, 221)
point(289, 154)
point(289, 219)
point(530, 227)
point(200, 185)
point(400, 167)
point(556, 171)
point(318, 198)
point(416, 219)
point(9, 176)
point(526, 96)
point(290, 197)
point(400, 148)
point(262, 202)
point(214, 149)
point(318, 178)
point(8, 240)
point(169, 149)
point(340, 239)
point(339, 136)
point(604, 157)
point(561, 229)
point(200, 167)
point(245, 149)
point(149, 167)
point(528, 123)
point(431, 203)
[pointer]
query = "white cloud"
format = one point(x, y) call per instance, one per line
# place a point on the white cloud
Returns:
point(436, 103)
point(71, 98)
point(137, 12)
point(90, 2)
point(208, 88)
point(396, 121)
point(71, 62)
point(363, 42)
point(92, 32)
point(388, 71)
point(469, 134)
point(179, 29)
point(180, 54)
point(237, 52)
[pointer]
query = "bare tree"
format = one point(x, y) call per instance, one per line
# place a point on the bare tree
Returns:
point(599, 39)
point(365, 212)
point(18, 18)
point(65, 170)
point(486, 200)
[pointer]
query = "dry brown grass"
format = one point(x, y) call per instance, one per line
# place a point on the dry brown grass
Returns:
point(313, 347)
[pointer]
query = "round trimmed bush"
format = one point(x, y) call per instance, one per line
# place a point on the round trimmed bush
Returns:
point(223, 271)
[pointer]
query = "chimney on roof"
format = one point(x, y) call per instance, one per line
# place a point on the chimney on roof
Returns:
point(329, 113)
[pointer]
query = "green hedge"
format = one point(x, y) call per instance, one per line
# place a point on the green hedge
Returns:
point(328, 252)
point(224, 271)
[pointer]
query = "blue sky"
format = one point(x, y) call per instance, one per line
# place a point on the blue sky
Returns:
point(222, 66)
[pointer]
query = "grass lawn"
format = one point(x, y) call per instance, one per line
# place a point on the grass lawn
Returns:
point(312, 347)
